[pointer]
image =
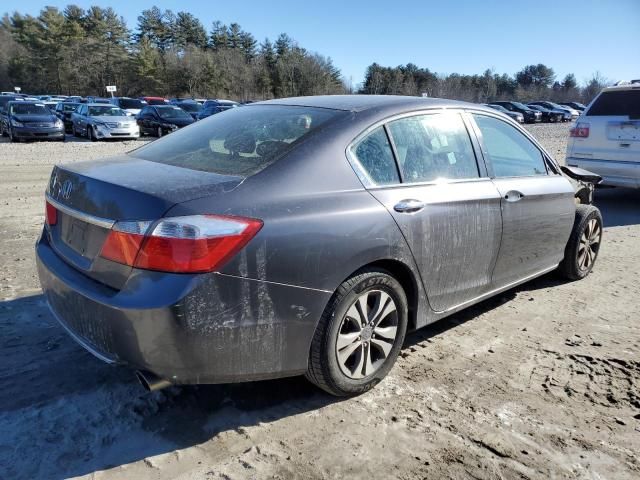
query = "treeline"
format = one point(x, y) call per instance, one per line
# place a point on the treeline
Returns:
point(77, 51)
point(533, 82)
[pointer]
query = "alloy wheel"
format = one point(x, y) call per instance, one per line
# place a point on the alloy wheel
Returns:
point(589, 244)
point(367, 334)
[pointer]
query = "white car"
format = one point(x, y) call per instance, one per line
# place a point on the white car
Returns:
point(606, 138)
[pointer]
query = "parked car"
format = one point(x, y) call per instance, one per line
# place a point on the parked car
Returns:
point(4, 119)
point(517, 116)
point(98, 121)
point(155, 100)
point(191, 107)
point(160, 120)
point(211, 107)
point(575, 105)
point(289, 237)
point(91, 99)
point(31, 121)
point(130, 105)
point(549, 115)
point(574, 113)
point(63, 111)
point(76, 99)
point(606, 137)
point(530, 115)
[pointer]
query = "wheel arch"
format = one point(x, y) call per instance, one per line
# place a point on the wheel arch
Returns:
point(407, 279)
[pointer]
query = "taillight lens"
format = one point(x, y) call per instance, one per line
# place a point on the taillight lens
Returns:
point(581, 130)
point(50, 214)
point(197, 243)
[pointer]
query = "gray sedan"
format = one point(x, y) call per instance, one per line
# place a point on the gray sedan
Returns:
point(98, 121)
point(305, 236)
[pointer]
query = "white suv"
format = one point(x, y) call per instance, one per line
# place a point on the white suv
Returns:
point(606, 137)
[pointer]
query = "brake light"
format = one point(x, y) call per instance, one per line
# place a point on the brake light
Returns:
point(50, 214)
point(581, 130)
point(197, 243)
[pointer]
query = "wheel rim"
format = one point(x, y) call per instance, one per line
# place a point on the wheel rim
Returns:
point(589, 244)
point(159, 132)
point(367, 334)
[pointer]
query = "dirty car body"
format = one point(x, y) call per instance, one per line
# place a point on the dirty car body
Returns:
point(305, 179)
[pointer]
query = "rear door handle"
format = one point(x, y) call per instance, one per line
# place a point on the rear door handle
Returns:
point(513, 196)
point(408, 206)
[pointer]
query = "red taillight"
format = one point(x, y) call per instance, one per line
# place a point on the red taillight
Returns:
point(198, 243)
point(581, 130)
point(50, 214)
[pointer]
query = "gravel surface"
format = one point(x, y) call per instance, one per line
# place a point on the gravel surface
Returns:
point(540, 382)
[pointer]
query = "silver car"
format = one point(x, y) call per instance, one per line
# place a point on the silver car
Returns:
point(305, 236)
point(98, 121)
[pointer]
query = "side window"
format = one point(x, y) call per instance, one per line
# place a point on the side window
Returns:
point(433, 146)
point(510, 152)
point(376, 157)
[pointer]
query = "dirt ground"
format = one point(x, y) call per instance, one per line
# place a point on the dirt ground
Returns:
point(541, 382)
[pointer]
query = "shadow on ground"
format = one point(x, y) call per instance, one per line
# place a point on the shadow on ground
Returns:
point(619, 206)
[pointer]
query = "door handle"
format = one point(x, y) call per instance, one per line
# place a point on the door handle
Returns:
point(513, 196)
point(408, 206)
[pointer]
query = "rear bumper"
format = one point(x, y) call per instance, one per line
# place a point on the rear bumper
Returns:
point(122, 133)
point(210, 328)
point(614, 173)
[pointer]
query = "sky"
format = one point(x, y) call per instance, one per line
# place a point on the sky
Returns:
point(462, 36)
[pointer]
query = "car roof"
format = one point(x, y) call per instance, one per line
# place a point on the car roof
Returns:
point(625, 86)
point(359, 103)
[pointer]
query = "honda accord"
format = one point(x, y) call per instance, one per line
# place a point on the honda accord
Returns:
point(305, 236)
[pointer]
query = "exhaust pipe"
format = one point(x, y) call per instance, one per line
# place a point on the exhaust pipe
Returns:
point(151, 382)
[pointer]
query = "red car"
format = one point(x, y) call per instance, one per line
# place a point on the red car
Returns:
point(155, 100)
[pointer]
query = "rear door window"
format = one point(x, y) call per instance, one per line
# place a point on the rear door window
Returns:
point(241, 141)
point(431, 147)
point(510, 152)
point(376, 158)
point(620, 103)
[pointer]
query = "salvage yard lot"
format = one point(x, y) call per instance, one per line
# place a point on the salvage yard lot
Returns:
point(540, 382)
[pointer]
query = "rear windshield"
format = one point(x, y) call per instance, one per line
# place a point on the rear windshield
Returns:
point(131, 103)
point(623, 102)
point(29, 109)
point(240, 141)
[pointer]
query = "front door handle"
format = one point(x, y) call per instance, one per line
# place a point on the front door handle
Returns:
point(408, 206)
point(513, 196)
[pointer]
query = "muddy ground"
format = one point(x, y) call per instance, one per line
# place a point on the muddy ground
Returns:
point(541, 382)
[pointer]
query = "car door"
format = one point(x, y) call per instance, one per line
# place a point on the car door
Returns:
point(443, 201)
point(537, 202)
point(141, 119)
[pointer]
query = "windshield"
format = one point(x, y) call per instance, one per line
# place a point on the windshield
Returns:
point(29, 109)
point(617, 103)
point(190, 107)
point(240, 141)
point(131, 103)
point(172, 113)
point(106, 111)
point(521, 105)
point(69, 107)
point(500, 108)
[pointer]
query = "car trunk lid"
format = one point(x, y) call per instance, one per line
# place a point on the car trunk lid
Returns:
point(90, 197)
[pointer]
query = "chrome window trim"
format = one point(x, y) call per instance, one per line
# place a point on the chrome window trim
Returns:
point(85, 217)
point(363, 175)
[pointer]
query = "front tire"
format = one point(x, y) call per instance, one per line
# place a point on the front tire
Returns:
point(90, 135)
point(584, 243)
point(360, 334)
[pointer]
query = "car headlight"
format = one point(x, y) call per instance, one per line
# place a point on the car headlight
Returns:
point(59, 123)
point(15, 123)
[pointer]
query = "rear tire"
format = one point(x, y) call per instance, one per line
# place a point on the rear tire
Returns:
point(584, 243)
point(360, 334)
